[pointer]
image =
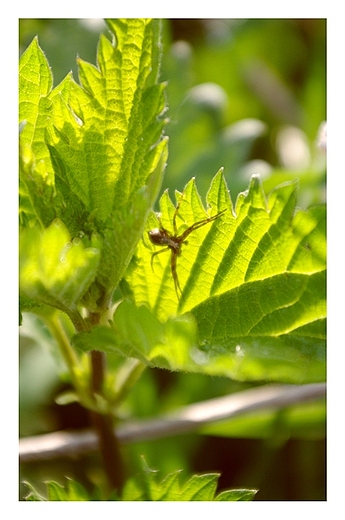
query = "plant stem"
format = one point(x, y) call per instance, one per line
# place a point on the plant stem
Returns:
point(68, 354)
point(104, 425)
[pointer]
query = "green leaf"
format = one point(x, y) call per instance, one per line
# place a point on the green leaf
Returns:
point(168, 489)
point(200, 487)
point(37, 178)
point(197, 488)
point(54, 268)
point(235, 495)
point(104, 143)
point(72, 492)
point(136, 332)
point(153, 286)
point(146, 487)
point(254, 280)
point(93, 154)
point(35, 84)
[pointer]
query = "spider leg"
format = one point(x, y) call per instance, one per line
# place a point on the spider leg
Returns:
point(199, 224)
point(175, 215)
point(174, 256)
point(158, 253)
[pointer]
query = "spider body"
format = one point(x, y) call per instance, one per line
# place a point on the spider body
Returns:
point(162, 237)
point(173, 242)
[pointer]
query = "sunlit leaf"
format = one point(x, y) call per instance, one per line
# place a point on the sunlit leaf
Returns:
point(92, 155)
point(254, 280)
point(56, 269)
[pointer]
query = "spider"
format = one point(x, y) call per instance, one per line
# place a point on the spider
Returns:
point(163, 237)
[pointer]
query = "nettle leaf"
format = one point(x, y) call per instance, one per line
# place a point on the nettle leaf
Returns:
point(154, 284)
point(137, 332)
point(109, 153)
point(35, 84)
point(197, 488)
point(237, 495)
point(72, 492)
point(37, 177)
point(93, 154)
point(56, 269)
point(253, 280)
point(146, 487)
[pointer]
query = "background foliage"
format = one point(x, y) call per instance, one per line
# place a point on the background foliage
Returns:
point(238, 97)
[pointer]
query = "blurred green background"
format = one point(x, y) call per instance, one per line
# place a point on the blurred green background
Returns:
point(247, 95)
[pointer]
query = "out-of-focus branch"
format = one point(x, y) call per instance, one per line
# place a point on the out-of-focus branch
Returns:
point(186, 419)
